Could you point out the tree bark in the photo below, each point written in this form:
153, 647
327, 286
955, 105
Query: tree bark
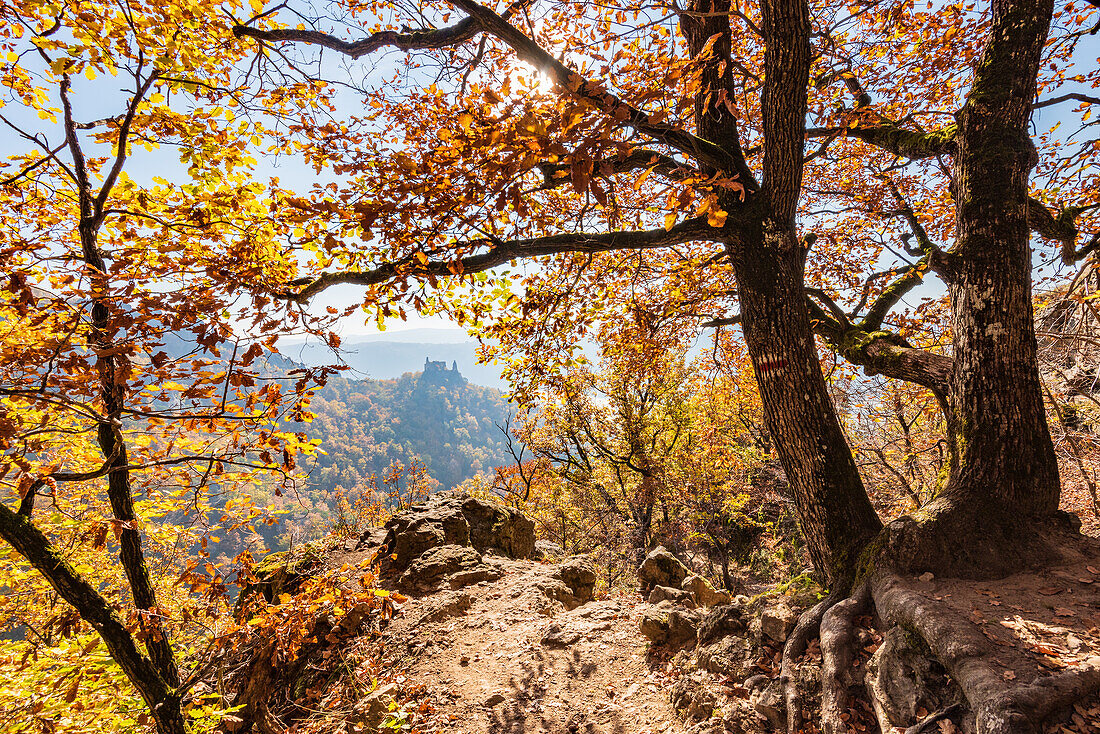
159, 695
833, 510
832, 507
1007, 463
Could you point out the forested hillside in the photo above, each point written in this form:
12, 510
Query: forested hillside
434, 418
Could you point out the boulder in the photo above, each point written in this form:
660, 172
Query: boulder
497, 527
691, 697
653, 624
671, 628
661, 568
579, 575
732, 657
427, 526
703, 593
722, 621
545, 550
683, 626
370, 711
428, 572
452, 518
675, 596
777, 622
768, 702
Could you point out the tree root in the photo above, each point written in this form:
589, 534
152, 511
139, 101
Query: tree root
1000, 705
837, 642
806, 629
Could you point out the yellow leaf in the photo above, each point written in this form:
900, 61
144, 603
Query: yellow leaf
670, 220
716, 218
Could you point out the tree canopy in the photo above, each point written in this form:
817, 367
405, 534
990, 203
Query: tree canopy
538, 171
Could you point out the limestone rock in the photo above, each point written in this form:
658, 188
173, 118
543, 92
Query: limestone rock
683, 625
704, 594
546, 550
371, 710
436, 564
415, 531
444, 606
768, 702
555, 636
579, 574
661, 568
731, 656
571, 583
777, 622
668, 627
722, 621
653, 624
452, 518
494, 526
691, 696
676, 596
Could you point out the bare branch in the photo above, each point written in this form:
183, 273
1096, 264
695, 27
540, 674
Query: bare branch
1076, 96
453, 35
556, 174
483, 19
500, 253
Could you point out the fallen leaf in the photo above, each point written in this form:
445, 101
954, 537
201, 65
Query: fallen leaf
1063, 612
1051, 590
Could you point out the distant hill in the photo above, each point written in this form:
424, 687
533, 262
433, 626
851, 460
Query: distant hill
435, 417
430, 414
390, 355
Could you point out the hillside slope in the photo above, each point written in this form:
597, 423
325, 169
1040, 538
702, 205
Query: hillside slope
435, 417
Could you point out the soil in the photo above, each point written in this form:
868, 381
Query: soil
1039, 622
503, 657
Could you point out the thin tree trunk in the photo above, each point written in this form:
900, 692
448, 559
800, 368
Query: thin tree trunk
832, 507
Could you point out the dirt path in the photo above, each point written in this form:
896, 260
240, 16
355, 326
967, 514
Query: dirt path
504, 657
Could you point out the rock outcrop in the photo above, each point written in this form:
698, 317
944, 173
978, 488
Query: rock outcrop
661, 568
442, 542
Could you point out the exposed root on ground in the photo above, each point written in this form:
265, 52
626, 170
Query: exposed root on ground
1003, 644
1008, 694
837, 645
804, 632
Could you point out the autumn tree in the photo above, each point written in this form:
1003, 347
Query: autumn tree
131, 394
782, 146
648, 446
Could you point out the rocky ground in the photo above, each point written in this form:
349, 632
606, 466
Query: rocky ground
493, 634
510, 656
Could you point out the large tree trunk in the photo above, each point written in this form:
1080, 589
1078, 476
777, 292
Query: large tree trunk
996, 511
1006, 457
834, 512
